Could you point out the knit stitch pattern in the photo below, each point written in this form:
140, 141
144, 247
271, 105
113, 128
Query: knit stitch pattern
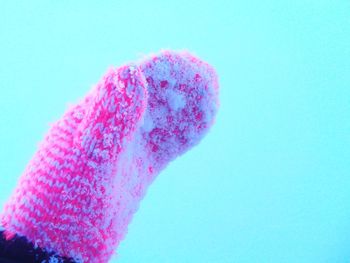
65, 200
78, 194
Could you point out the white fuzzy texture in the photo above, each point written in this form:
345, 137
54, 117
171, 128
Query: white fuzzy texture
148, 124
176, 100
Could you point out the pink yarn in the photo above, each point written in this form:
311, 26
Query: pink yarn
79, 192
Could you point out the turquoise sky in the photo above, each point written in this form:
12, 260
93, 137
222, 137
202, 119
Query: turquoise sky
269, 184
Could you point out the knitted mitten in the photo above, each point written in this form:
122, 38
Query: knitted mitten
79, 192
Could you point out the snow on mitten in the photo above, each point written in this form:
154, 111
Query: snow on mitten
182, 104
93, 173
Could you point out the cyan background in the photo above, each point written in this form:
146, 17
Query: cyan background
270, 183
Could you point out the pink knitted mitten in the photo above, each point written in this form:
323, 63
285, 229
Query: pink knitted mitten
78, 194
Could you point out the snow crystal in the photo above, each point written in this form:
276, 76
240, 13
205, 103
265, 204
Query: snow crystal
176, 100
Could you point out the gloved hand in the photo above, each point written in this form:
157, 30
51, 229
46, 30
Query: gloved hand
78, 194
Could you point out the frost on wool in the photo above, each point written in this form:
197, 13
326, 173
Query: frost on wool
183, 101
